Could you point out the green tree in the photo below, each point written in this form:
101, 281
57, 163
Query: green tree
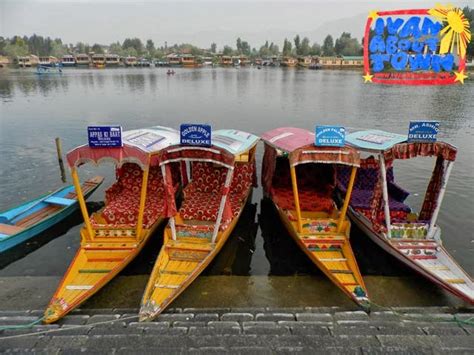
328, 46
315, 49
287, 47
57, 48
213, 47
346, 45
116, 48
16, 48
239, 45
297, 41
305, 47
150, 48
80, 47
134, 43
97, 48
227, 50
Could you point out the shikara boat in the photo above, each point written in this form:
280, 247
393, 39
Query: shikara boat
221, 182
299, 178
134, 208
378, 206
29, 219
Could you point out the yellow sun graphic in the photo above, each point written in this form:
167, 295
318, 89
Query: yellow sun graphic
456, 33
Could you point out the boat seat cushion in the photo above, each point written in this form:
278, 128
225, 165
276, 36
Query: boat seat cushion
242, 179
310, 200
361, 199
207, 177
123, 198
204, 206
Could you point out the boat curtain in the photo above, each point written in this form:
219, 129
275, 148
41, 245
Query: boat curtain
325, 155
432, 191
268, 168
212, 154
169, 193
119, 156
412, 150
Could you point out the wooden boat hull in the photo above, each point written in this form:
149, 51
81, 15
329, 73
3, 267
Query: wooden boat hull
178, 265
333, 255
48, 215
93, 266
444, 265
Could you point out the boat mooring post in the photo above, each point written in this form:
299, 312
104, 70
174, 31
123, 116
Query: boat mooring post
59, 150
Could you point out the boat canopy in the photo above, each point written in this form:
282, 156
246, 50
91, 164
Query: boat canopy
298, 145
390, 146
227, 146
139, 146
395, 146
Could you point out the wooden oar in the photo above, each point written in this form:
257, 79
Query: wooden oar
6, 220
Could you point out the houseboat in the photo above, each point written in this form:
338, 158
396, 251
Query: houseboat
48, 61
68, 61
112, 60
304, 62
244, 60
236, 61
352, 61
130, 61
330, 62
143, 63
226, 60
289, 62
23, 62
82, 60
188, 61
175, 60
207, 61
98, 61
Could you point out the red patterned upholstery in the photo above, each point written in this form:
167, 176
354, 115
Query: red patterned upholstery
203, 195
315, 186
123, 198
204, 206
395, 216
310, 200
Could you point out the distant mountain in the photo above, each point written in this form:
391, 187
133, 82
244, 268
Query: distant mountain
355, 25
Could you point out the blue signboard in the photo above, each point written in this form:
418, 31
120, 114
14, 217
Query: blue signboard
423, 131
195, 134
330, 136
104, 136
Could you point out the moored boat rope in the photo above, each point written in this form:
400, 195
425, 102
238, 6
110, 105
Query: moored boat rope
24, 326
469, 321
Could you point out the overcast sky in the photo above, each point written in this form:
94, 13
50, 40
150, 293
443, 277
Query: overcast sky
197, 22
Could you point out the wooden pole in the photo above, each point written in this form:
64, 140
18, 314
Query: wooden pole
59, 151
141, 210
347, 199
386, 206
434, 217
171, 221
82, 202
296, 197
228, 181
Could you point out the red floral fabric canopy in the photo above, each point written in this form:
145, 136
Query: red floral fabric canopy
209, 154
411, 150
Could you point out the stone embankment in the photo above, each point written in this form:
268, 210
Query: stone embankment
244, 331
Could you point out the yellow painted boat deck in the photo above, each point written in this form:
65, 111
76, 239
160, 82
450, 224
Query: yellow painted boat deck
94, 265
330, 251
179, 263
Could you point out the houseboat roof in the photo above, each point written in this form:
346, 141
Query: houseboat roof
299, 144
396, 146
138, 146
352, 57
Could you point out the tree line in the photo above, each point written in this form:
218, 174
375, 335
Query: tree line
344, 45
46, 46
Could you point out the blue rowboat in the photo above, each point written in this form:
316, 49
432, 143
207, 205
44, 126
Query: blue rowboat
26, 221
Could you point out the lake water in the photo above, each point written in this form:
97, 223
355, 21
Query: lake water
36, 109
